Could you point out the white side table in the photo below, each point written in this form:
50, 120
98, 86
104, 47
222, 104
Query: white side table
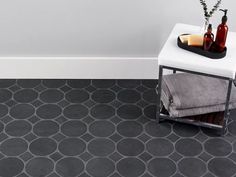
174, 58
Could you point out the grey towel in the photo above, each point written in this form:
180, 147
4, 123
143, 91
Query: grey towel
185, 94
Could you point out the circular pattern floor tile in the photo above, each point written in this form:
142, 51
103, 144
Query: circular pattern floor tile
77, 96
158, 130
188, 147
73, 128
222, 167
192, 167
105, 83
102, 128
22, 111
25, 95
130, 147
49, 111
150, 111
160, 147
102, 111
10, 167
103, 96
51, 96
69, 167
99, 167
210, 132
28, 83
129, 111
3, 110
78, 83
150, 96
218, 147
54, 83
130, 167
162, 167
232, 128
101, 147
76, 111
129, 96
13, 146
46, 128
5, 83
18, 128
185, 130
128, 83
40, 166
234, 146
150, 83
5, 95
71, 146
43, 146
129, 128
1, 127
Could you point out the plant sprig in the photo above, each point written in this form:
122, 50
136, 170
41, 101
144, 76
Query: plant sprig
208, 14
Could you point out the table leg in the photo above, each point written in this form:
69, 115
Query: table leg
227, 112
159, 93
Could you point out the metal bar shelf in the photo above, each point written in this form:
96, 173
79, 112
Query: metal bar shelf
161, 117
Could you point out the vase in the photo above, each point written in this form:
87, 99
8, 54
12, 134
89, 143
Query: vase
205, 26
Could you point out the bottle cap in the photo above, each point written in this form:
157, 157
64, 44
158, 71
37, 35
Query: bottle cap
210, 26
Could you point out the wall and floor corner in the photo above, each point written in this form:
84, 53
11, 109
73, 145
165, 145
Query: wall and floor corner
91, 39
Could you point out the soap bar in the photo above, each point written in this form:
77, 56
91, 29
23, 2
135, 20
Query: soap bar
195, 40
184, 38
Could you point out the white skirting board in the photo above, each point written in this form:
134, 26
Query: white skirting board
78, 68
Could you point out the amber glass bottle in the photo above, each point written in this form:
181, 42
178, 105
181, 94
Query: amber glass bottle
221, 34
208, 38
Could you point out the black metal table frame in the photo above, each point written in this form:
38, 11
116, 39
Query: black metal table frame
161, 116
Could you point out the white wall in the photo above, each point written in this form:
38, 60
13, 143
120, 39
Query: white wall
78, 27
95, 28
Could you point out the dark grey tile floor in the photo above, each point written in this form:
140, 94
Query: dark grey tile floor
102, 128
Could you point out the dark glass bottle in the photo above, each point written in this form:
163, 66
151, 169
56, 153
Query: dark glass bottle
208, 38
221, 34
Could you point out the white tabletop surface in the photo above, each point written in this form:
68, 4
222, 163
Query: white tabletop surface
173, 56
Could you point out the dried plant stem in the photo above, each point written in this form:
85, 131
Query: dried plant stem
208, 14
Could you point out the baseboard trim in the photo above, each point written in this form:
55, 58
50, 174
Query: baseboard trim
78, 67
